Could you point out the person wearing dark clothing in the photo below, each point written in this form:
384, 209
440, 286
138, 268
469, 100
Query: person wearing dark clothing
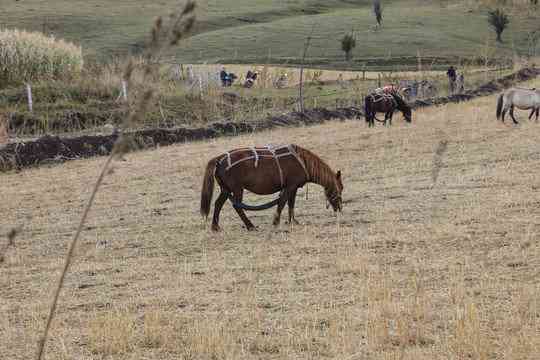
224, 77
451, 73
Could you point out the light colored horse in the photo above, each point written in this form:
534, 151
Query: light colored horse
523, 99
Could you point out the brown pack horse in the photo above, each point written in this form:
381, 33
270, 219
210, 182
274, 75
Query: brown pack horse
386, 103
264, 171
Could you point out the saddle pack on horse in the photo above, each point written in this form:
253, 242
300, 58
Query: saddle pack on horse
237, 156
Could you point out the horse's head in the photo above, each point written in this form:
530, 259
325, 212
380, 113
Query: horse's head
333, 193
403, 107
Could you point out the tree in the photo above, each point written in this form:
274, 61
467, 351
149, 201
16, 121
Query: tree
348, 42
499, 21
377, 10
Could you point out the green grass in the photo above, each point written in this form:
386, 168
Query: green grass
255, 30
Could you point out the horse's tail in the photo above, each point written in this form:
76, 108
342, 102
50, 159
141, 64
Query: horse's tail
367, 111
500, 106
208, 187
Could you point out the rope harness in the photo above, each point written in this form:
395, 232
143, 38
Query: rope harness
268, 152
380, 96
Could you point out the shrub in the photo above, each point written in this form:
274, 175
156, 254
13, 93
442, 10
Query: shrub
26, 56
498, 20
348, 42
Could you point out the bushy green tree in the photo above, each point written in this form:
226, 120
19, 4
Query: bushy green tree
348, 43
499, 21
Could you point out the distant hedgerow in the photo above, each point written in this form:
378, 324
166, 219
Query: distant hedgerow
26, 56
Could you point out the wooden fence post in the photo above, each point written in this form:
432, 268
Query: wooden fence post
29, 97
124, 90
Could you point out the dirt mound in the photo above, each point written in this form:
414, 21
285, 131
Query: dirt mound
55, 149
50, 149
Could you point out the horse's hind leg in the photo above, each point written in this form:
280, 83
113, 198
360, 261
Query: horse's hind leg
532, 113
512, 114
290, 202
217, 209
238, 197
537, 113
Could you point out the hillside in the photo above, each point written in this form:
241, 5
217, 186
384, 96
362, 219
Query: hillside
435, 256
232, 31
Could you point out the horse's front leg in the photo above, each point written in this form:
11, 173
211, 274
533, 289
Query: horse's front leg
238, 196
388, 118
283, 197
290, 202
512, 114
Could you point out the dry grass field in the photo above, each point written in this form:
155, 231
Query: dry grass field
436, 255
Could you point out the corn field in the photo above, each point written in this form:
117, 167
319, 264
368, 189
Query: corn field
27, 56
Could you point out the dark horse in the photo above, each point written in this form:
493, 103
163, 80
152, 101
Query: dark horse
385, 103
264, 171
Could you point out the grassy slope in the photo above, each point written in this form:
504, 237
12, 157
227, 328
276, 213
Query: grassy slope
412, 270
251, 30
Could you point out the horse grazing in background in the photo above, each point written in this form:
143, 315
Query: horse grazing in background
387, 103
263, 171
523, 99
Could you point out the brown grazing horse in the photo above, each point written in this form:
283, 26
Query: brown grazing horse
385, 103
264, 171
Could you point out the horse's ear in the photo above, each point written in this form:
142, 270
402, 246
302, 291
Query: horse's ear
338, 175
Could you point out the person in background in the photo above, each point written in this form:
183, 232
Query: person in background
451, 73
460, 84
224, 77
250, 78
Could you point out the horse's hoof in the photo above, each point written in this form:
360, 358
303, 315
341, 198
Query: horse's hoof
251, 228
216, 228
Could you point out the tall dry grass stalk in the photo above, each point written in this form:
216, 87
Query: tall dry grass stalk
27, 56
4, 136
10, 241
163, 35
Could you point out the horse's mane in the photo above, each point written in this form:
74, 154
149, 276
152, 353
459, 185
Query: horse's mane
319, 172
